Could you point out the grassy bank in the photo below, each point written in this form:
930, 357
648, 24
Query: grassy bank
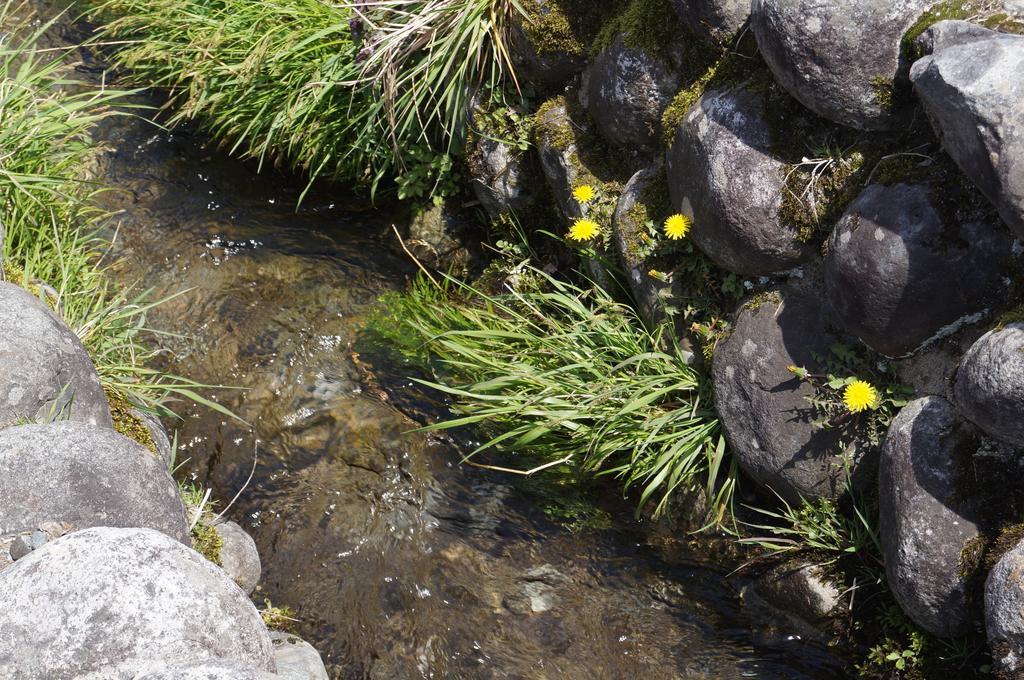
340, 91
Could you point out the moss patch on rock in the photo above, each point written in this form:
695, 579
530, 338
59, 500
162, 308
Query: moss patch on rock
207, 542
563, 26
649, 25
988, 13
127, 423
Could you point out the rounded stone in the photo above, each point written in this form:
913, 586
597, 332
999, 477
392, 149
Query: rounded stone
296, 659
989, 388
557, 55
625, 90
213, 669
121, 603
898, 273
842, 60
716, 21
239, 556
722, 173
502, 180
87, 476
926, 521
765, 409
45, 372
1004, 611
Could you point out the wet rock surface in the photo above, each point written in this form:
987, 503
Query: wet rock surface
170, 606
625, 90
722, 173
86, 476
395, 559
764, 408
971, 90
900, 269
926, 520
841, 60
45, 372
989, 387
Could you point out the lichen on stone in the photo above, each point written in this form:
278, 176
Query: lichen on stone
770, 297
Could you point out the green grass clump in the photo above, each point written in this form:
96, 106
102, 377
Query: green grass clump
569, 377
50, 245
340, 91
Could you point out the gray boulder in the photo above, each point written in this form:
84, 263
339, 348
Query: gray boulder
625, 90
86, 476
212, 669
296, 659
119, 603
945, 34
898, 273
972, 90
238, 555
764, 408
842, 60
989, 388
721, 172
716, 21
45, 372
925, 518
1004, 611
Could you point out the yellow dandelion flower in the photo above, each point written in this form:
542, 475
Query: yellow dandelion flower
860, 396
584, 193
677, 226
584, 230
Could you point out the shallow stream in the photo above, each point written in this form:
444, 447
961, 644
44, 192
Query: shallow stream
398, 562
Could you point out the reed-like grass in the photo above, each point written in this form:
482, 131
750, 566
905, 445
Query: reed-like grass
568, 376
50, 244
336, 90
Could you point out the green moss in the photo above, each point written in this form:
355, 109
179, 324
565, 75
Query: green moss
768, 297
1015, 315
278, 618
811, 203
207, 542
550, 127
564, 26
988, 12
127, 423
649, 25
885, 92
708, 70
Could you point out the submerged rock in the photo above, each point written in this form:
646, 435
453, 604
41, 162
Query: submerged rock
625, 90
926, 518
842, 60
122, 603
765, 409
716, 21
238, 555
437, 237
722, 173
989, 388
45, 372
790, 599
897, 272
86, 476
972, 88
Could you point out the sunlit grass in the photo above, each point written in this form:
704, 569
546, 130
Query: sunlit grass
569, 376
